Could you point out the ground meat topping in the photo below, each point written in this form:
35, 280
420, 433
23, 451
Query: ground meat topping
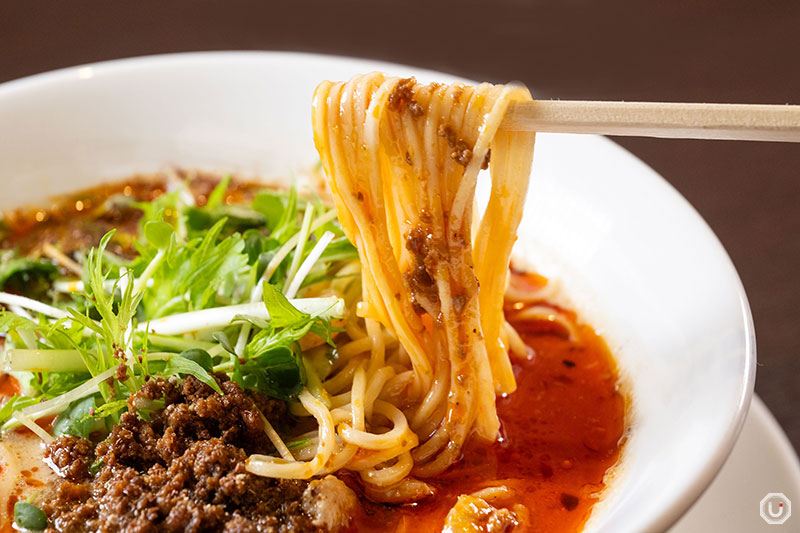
419, 278
462, 151
402, 98
183, 469
70, 457
486, 159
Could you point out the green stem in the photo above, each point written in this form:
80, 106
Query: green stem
140, 283
45, 360
177, 343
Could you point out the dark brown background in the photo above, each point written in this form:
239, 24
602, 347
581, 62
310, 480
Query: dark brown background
674, 50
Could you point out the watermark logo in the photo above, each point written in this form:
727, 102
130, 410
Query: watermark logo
776, 508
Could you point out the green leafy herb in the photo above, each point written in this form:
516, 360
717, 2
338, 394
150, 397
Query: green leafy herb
287, 224
108, 409
184, 366
47, 385
28, 516
115, 315
281, 312
77, 419
272, 362
218, 194
13, 404
272, 205
298, 443
200, 357
164, 208
158, 233
95, 467
31, 277
277, 372
199, 219
193, 273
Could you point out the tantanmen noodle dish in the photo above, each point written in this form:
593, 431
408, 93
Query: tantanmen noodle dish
193, 351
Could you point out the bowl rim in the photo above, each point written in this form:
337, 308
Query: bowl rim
684, 500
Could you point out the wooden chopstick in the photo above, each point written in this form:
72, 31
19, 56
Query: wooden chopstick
742, 122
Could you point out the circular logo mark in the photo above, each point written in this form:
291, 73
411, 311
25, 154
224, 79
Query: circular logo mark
776, 508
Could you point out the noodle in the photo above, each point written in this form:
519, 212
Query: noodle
389, 475
546, 313
268, 466
372, 441
515, 343
402, 161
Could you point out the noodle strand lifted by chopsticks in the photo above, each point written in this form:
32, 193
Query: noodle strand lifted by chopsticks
402, 161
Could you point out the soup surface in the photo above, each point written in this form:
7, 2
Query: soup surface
561, 431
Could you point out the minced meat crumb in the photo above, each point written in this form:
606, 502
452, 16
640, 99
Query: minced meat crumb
182, 469
402, 98
70, 457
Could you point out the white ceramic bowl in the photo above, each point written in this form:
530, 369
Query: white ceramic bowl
637, 261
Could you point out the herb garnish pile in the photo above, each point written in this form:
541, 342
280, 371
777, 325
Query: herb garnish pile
213, 289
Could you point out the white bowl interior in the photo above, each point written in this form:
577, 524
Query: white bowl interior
634, 258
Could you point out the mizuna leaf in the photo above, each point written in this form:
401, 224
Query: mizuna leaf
183, 366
